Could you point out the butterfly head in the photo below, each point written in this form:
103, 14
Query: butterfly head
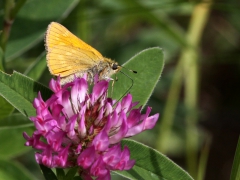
115, 67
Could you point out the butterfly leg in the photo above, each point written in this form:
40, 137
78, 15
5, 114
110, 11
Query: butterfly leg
114, 80
90, 77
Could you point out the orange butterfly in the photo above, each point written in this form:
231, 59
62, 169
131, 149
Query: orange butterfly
68, 56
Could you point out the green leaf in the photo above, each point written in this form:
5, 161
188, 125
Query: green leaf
5, 108
1, 56
14, 121
151, 164
235, 174
20, 91
77, 178
31, 23
12, 141
48, 173
71, 173
60, 173
149, 65
12, 171
171, 28
36, 69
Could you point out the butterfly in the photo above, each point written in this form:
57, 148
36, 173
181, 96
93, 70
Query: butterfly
70, 57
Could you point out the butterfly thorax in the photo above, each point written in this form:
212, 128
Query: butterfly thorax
104, 69
107, 68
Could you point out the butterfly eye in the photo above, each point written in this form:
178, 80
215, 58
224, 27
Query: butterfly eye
115, 66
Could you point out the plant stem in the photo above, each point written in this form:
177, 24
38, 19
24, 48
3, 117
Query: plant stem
188, 63
170, 107
9, 5
10, 11
203, 159
190, 57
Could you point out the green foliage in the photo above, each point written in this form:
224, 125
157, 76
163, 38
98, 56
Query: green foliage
14, 146
60, 173
14, 121
120, 29
5, 108
48, 173
235, 175
20, 91
30, 25
71, 173
1, 58
13, 171
35, 71
151, 164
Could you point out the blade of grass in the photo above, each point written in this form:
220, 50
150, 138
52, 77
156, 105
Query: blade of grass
190, 57
187, 62
235, 174
203, 159
10, 11
170, 107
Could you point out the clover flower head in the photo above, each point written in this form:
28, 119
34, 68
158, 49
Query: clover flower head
78, 128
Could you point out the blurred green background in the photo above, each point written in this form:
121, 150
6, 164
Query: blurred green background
197, 96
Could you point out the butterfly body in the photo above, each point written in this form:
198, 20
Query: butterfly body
68, 56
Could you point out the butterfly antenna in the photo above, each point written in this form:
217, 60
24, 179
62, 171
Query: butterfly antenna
129, 70
129, 87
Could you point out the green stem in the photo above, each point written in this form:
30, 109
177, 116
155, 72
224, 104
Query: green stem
190, 57
9, 5
188, 63
235, 174
17, 7
10, 11
203, 159
170, 107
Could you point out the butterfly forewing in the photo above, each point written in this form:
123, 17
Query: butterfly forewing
59, 35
